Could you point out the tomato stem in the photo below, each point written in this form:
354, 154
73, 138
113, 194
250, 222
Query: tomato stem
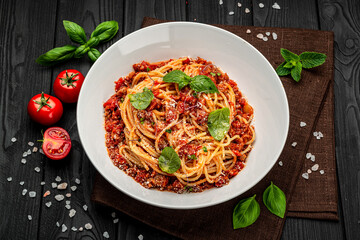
42, 102
69, 79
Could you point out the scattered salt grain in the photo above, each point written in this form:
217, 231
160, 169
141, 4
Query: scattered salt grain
37, 169
248, 31
42, 183
322, 172
63, 228
85, 207
88, 226
302, 124
72, 213
41, 151
77, 181
312, 158
67, 202
239, 5
280, 163
57, 224
260, 36
53, 185
67, 206
308, 155
35, 149
81, 228
231, 13
59, 197
29, 217
32, 194
47, 193
48, 204
140, 237
274, 35
74, 229
68, 195
309, 171
320, 134
247, 10
113, 214
9, 179
28, 152
221, 2
305, 175
13, 139
22, 183
315, 167
73, 188
62, 186
30, 144
267, 33
265, 39
294, 144
261, 5
276, 6
24, 154
106, 235
116, 220
23, 161
24, 191
58, 179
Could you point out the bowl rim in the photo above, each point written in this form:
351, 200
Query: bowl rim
201, 205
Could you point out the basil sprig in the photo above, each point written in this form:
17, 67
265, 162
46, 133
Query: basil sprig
141, 100
219, 123
246, 212
200, 83
169, 161
275, 200
295, 63
103, 32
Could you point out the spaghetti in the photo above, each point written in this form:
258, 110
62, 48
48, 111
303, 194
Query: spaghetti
177, 118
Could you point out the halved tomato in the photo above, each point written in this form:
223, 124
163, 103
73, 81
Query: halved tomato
56, 143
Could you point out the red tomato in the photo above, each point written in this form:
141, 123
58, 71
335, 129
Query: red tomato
56, 143
45, 109
67, 85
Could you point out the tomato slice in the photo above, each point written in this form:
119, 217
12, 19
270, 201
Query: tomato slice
57, 143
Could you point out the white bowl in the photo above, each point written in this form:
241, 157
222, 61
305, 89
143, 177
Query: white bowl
254, 75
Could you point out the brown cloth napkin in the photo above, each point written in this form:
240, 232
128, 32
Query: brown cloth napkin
310, 101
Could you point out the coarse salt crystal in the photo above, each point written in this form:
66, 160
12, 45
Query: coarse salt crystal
48, 204
280, 163
47, 193
239, 5
13, 139
22, 183
312, 158
53, 185
41, 151
74, 229
72, 213
261, 5
85, 207
265, 39
67, 202
32, 194
63, 228
247, 10
23, 161
274, 35
67, 206
30, 144
81, 228
29, 217
42, 183
106, 235
9, 179
267, 33
308, 155
24, 154
113, 214
140, 237
35, 149
221, 2
248, 31
88, 226
116, 220
24, 191
62, 186
317, 137
322, 172
77, 181
59, 197
57, 224
58, 179
231, 13
37, 169
294, 144
305, 175
28, 152
309, 171
276, 6
68, 195
320, 134
315, 167
315, 134
260, 35
73, 188
302, 124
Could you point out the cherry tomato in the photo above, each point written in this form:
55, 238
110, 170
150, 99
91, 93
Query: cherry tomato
56, 143
67, 85
45, 109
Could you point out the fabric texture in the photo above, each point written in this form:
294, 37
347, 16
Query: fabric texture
311, 101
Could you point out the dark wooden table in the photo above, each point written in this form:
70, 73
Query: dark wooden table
30, 28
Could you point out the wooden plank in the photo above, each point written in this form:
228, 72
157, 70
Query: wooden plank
298, 14
342, 17
21, 78
88, 14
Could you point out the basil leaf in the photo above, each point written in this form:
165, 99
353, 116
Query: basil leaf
93, 42
204, 84
312, 59
275, 200
282, 71
296, 72
56, 55
94, 54
178, 77
141, 100
169, 161
219, 123
246, 212
106, 30
80, 51
288, 56
75, 32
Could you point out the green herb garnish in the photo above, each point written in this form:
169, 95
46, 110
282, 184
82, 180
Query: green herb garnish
295, 63
192, 157
219, 123
200, 83
169, 161
141, 100
148, 69
213, 74
102, 33
188, 188
142, 120
275, 200
168, 130
205, 149
246, 212
219, 74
